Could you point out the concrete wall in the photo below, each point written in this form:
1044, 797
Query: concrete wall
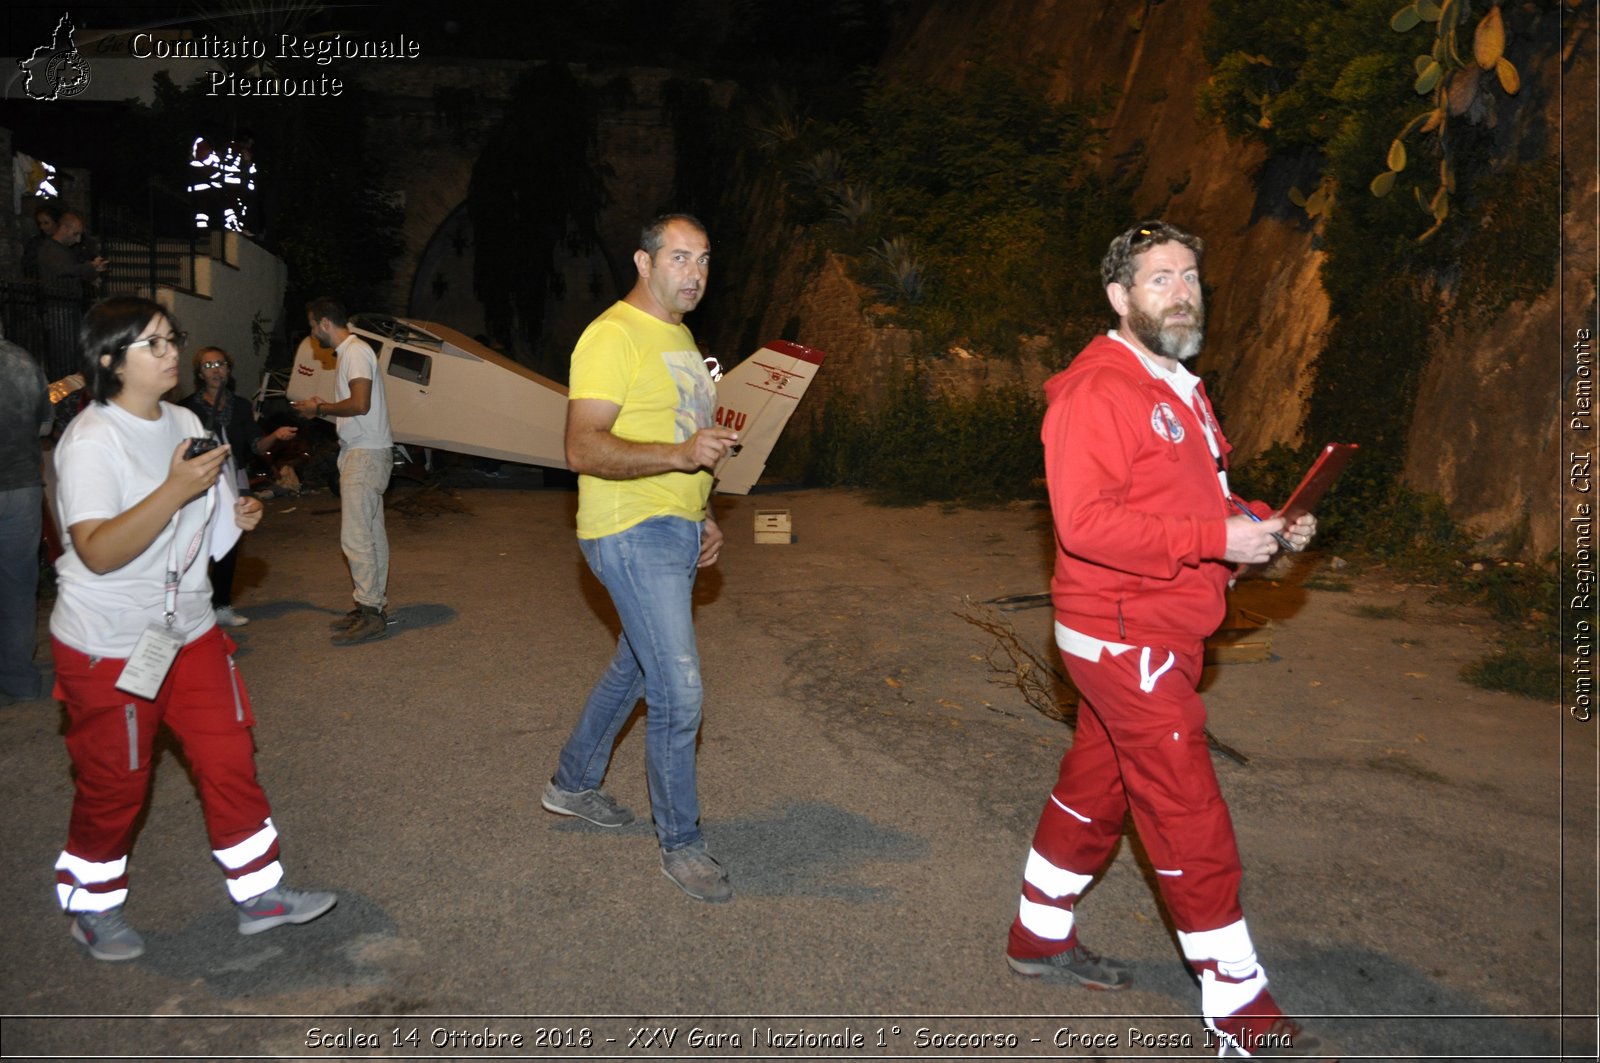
247, 285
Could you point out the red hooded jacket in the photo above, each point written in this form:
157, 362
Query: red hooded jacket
1139, 510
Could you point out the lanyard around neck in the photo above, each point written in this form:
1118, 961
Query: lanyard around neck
174, 573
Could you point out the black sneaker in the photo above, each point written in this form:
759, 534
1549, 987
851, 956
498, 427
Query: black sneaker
370, 625
1075, 966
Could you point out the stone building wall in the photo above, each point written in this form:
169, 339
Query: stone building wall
433, 119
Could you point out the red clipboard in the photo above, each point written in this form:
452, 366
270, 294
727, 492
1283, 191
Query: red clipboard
1326, 469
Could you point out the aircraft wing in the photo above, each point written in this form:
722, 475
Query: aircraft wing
756, 399
456, 394
449, 391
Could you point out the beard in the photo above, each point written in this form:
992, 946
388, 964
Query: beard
1180, 342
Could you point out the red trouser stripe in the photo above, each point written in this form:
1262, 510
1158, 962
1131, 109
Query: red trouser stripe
110, 735
1143, 751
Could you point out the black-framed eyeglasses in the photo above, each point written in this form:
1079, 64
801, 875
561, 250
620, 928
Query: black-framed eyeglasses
158, 344
213, 365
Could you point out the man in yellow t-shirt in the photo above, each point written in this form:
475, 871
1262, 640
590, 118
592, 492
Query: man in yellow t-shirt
640, 435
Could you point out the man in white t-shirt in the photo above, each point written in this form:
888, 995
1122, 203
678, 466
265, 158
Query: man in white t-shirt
365, 462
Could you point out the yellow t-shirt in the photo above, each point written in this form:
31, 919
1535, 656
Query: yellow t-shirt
655, 372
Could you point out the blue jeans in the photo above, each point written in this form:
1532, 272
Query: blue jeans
21, 522
649, 571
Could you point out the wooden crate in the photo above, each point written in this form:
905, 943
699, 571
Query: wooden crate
773, 527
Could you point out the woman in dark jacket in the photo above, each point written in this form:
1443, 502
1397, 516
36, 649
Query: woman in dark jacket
230, 419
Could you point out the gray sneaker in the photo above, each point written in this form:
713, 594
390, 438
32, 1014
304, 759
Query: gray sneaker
281, 905
596, 806
370, 625
108, 935
698, 874
1076, 966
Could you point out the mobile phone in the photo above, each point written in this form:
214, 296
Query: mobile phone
198, 445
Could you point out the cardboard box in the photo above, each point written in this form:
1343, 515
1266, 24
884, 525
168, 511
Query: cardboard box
772, 526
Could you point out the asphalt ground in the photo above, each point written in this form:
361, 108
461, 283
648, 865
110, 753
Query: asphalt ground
1419, 854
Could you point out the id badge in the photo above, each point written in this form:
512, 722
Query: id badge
150, 661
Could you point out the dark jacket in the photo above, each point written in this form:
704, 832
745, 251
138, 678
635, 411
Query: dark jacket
232, 422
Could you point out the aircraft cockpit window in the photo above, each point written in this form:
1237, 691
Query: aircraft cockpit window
411, 365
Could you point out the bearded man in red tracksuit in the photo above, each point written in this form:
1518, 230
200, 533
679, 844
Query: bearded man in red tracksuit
1148, 538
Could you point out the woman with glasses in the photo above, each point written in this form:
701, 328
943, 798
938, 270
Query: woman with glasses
229, 418
135, 641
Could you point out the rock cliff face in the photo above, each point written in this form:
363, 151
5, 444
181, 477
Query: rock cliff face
1488, 431
1486, 435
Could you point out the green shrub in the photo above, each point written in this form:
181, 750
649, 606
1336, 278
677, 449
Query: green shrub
1373, 517
1367, 513
1272, 474
1525, 598
1512, 250
974, 215
1527, 595
1326, 88
1530, 674
917, 446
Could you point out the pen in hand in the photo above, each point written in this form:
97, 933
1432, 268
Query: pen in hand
1276, 535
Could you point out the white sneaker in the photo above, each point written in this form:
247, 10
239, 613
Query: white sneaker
226, 617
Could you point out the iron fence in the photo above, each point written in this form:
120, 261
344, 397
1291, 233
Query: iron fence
148, 247
44, 321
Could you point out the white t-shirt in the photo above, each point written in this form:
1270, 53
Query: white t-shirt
1184, 384
107, 462
369, 431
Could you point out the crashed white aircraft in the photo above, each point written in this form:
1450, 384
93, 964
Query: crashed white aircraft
448, 391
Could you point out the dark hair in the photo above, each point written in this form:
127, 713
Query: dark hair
654, 232
1118, 266
47, 207
108, 328
326, 307
200, 356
